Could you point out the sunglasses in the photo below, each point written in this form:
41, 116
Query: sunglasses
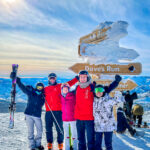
39, 87
99, 89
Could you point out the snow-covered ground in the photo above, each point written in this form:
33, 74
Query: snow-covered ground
16, 139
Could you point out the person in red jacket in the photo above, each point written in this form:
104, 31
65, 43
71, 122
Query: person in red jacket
84, 109
53, 110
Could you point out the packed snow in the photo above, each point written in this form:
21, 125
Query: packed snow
16, 139
108, 50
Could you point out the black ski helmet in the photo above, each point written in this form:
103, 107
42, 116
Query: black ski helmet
84, 72
40, 84
52, 75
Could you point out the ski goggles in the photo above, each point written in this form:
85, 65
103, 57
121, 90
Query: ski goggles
99, 89
39, 87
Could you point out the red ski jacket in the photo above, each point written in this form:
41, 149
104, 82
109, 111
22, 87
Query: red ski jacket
84, 103
53, 95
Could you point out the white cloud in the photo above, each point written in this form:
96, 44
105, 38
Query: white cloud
21, 14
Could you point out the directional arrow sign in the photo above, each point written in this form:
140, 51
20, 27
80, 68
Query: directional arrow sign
124, 69
95, 37
129, 85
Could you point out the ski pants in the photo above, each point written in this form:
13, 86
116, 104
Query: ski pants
108, 140
88, 127
73, 129
139, 119
49, 120
34, 141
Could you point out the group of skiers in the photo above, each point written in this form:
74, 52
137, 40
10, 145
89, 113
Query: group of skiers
87, 112
127, 115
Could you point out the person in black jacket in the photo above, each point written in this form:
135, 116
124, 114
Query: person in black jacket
129, 102
122, 123
36, 100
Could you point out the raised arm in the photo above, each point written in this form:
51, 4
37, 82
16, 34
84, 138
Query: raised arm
25, 89
113, 85
73, 81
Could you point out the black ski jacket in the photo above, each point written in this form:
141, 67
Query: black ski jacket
35, 99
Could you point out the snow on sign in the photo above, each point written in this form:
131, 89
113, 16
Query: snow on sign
128, 85
130, 69
102, 45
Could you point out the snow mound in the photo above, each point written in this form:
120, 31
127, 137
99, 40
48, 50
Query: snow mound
108, 49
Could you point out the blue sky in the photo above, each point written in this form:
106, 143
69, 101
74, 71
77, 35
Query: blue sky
42, 36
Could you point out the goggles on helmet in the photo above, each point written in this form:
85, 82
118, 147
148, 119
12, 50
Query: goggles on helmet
99, 89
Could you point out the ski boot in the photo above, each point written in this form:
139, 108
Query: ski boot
50, 146
40, 148
60, 146
132, 132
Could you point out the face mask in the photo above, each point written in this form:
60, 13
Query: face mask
38, 92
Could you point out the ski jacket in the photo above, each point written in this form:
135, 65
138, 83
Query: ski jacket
68, 106
35, 100
84, 103
122, 123
85, 98
104, 120
53, 96
137, 110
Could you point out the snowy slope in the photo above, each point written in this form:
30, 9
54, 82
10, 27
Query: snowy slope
16, 139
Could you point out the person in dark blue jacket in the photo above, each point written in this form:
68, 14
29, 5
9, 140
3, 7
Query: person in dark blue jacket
36, 100
122, 123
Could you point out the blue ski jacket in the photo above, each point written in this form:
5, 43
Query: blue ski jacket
35, 99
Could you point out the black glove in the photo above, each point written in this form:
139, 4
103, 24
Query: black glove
77, 77
12, 75
118, 78
94, 83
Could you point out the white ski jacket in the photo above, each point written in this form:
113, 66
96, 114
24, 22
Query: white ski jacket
103, 113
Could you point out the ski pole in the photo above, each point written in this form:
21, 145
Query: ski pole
54, 117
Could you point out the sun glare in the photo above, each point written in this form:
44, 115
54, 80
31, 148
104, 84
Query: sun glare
10, 1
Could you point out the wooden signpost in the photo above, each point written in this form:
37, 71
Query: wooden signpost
128, 85
95, 37
126, 69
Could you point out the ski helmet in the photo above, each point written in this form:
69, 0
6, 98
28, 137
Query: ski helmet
39, 86
84, 72
65, 85
52, 75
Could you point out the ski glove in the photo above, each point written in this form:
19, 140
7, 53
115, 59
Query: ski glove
77, 77
12, 75
94, 83
118, 78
